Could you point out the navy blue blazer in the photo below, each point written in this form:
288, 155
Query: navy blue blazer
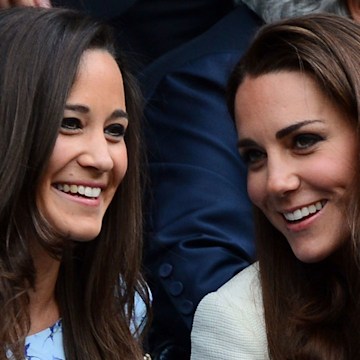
105, 9
149, 28
200, 230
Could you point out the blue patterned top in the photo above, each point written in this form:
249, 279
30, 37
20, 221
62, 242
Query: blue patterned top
48, 344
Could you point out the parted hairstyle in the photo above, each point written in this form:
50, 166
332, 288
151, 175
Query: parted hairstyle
40, 51
312, 311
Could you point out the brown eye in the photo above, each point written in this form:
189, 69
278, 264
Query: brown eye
70, 124
252, 156
305, 141
115, 130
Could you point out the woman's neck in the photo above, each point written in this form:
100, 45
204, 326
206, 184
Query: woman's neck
43, 308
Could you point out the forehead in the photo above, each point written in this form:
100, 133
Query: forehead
278, 97
97, 62
98, 78
275, 86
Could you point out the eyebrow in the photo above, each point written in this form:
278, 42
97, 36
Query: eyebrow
279, 134
246, 143
118, 113
288, 130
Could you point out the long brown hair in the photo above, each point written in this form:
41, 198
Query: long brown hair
312, 311
40, 51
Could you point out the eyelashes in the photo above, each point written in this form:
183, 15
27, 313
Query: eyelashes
72, 125
301, 144
252, 156
306, 141
115, 130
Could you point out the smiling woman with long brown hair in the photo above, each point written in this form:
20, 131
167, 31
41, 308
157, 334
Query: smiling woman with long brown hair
70, 211
295, 97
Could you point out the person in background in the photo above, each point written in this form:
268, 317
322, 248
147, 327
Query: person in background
148, 29
70, 213
37, 3
199, 230
273, 10
295, 97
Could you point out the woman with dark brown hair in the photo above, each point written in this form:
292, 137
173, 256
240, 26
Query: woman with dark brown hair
295, 97
70, 211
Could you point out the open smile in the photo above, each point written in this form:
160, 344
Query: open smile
79, 190
304, 212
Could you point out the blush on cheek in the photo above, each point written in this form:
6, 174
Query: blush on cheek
121, 175
253, 192
121, 165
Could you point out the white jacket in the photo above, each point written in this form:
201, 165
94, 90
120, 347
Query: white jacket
229, 323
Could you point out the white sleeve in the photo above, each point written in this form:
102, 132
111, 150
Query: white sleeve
227, 326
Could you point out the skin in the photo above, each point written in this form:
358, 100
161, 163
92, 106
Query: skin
354, 7
36, 3
301, 150
90, 151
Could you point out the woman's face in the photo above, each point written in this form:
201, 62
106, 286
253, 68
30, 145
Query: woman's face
301, 152
89, 159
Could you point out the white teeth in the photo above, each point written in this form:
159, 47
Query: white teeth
297, 215
289, 216
66, 188
82, 190
96, 192
303, 212
312, 209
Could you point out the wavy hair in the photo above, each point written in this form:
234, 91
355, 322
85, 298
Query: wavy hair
312, 311
40, 51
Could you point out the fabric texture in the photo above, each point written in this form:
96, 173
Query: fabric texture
229, 323
48, 344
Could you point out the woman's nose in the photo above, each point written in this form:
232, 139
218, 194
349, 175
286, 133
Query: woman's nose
96, 153
282, 177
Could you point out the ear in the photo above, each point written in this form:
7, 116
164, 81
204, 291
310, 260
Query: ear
354, 7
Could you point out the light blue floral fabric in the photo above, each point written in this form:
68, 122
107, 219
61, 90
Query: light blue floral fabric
48, 344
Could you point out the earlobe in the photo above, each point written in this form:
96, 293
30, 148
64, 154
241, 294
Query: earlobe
354, 8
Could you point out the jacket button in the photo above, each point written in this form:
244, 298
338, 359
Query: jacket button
165, 270
186, 307
176, 288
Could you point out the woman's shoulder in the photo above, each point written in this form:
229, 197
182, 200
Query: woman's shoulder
240, 298
231, 319
244, 286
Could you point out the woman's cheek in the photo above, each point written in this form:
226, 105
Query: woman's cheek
255, 189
